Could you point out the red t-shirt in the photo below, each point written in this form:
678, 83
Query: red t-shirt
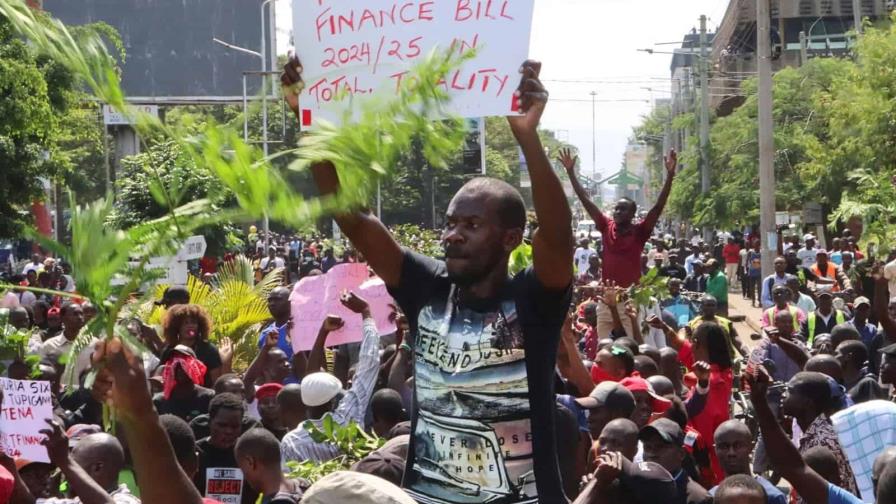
622, 252
715, 412
731, 253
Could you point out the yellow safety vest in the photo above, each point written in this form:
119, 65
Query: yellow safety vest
839, 317
773, 311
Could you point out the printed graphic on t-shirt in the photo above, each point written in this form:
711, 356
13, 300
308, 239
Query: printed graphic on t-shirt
473, 436
224, 484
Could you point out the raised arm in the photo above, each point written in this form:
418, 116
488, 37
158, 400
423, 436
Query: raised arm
784, 457
155, 466
881, 301
87, 490
552, 244
569, 362
671, 163
569, 163
317, 359
367, 234
791, 349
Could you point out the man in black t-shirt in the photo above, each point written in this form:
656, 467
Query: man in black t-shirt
219, 476
486, 344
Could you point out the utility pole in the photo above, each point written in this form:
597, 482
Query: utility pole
857, 15
804, 48
704, 118
594, 140
766, 138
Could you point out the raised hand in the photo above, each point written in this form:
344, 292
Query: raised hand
531, 98
354, 302
129, 392
671, 162
225, 347
758, 380
702, 371
568, 161
631, 311
291, 80
608, 469
56, 442
332, 323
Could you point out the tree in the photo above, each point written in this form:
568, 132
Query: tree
27, 120
162, 178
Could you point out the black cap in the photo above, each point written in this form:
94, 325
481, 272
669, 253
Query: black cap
610, 394
648, 482
173, 295
669, 431
889, 350
383, 464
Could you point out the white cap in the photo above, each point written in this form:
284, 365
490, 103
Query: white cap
808, 236
320, 388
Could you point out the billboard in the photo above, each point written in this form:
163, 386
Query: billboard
170, 52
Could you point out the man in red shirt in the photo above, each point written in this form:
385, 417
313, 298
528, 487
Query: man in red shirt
731, 254
623, 238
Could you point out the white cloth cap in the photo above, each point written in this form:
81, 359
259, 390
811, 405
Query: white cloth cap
319, 388
809, 236
355, 488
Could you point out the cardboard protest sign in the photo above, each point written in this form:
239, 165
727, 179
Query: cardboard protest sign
365, 47
313, 298
26, 404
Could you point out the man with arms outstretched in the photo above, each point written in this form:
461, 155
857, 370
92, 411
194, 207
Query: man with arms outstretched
486, 344
623, 238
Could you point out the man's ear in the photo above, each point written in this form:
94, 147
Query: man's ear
512, 239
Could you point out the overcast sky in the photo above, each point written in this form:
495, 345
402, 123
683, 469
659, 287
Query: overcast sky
597, 40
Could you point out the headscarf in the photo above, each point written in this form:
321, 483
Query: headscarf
193, 367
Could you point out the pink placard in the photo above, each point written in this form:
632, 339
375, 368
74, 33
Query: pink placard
313, 298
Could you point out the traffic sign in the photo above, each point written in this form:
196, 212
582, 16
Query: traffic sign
193, 248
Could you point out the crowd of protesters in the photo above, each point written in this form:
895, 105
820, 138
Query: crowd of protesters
557, 384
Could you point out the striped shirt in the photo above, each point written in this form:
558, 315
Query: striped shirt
298, 446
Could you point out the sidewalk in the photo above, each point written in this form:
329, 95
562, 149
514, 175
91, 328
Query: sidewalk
745, 317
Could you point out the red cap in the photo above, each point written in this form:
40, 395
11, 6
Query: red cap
53, 312
268, 390
638, 384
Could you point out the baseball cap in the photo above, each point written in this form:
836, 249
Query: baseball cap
827, 293
889, 350
861, 300
638, 384
808, 236
384, 464
355, 487
319, 388
669, 431
610, 394
173, 295
821, 252
647, 482
268, 390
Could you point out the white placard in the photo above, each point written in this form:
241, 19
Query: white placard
224, 484
26, 405
112, 117
368, 46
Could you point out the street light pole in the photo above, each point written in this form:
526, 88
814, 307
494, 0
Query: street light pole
264, 108
766, 138
594, 137
704, 119
857, 15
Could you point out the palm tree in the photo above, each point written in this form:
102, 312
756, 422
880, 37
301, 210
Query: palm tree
236, 305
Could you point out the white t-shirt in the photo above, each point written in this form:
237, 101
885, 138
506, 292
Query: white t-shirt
581, 258
32, 267
890, 275
743, 257
807, 256
278, 262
